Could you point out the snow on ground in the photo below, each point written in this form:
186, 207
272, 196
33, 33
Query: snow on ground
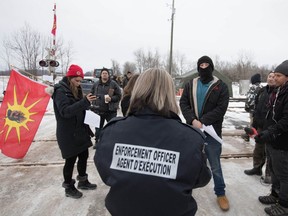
32, 186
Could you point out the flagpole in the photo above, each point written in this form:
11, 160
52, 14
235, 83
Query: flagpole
53, 51
25, 72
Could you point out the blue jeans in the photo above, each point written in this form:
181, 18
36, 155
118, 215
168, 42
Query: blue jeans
279, 173
213, 151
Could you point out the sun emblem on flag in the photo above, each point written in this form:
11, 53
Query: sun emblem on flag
18, 115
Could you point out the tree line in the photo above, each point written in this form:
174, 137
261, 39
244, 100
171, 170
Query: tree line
26, 47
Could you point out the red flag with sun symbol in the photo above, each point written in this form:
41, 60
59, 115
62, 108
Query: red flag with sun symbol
21, 112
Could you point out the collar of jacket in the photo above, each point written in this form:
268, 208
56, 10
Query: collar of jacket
106, 83
148, 112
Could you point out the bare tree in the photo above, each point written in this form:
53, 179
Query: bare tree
148, 60
140, 59
116, 67
64, 54
25, 48
6, 54
129, 66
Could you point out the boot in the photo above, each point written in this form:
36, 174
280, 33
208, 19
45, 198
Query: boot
270, 199
223, 202
254, 171
71, 191
84, 184
276, 210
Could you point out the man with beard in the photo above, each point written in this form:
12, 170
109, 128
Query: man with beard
275, 135
108, 94
204, 102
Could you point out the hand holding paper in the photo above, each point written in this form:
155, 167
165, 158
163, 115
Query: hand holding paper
92, 119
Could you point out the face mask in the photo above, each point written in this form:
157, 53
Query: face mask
205, 74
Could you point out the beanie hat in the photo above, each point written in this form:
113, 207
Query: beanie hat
282, 68
75, 71
205, 59
256, 78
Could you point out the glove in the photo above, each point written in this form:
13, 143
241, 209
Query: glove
264, 137
252, 132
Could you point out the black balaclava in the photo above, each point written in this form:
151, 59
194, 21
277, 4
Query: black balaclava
206, 73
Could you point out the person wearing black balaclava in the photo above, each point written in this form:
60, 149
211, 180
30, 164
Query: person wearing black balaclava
205, 69
204, 102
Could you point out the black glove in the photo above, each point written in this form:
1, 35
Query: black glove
264, 137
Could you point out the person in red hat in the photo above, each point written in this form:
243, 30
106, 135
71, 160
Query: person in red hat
73, 136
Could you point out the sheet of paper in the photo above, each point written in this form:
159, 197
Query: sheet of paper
210, 130
92, 119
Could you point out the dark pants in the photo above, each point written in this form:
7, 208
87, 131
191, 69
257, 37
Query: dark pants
104, 116
81, 166
279, 173
259, 156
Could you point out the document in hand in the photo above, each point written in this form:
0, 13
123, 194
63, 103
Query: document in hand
210, 130
92, 119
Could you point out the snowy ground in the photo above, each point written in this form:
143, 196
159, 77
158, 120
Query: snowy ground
32, 186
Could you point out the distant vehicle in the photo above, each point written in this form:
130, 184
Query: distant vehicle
87, 84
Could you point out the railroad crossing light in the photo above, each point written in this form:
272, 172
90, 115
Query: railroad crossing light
53, 63
43, 63
46, 63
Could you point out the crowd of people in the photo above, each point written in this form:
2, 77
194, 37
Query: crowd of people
150, 156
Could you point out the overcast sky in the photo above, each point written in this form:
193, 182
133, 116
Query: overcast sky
114, 29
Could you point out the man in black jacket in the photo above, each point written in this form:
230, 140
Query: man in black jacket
108, 95
204, 102
259, 155
275, 135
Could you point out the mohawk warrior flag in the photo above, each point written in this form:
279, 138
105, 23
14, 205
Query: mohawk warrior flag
54, 22
21, 112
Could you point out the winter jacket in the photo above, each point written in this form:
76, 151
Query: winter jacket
276, 122
214, 107
261, 108
250, 100
125, 102
110, 88
73, 136
151, 164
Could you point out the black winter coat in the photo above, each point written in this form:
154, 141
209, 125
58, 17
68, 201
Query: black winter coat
261, 108
73, 136
277, 119
214, 106
112, 89
151, 164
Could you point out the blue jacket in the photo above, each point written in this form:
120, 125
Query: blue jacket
151, 164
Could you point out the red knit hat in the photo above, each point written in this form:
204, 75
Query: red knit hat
75, 71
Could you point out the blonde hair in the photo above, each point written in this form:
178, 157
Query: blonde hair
154, 89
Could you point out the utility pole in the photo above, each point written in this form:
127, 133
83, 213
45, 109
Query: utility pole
171, 39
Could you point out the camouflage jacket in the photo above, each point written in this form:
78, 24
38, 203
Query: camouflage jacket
251, 95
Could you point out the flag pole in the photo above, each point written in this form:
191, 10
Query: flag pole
30, 74
53, 32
